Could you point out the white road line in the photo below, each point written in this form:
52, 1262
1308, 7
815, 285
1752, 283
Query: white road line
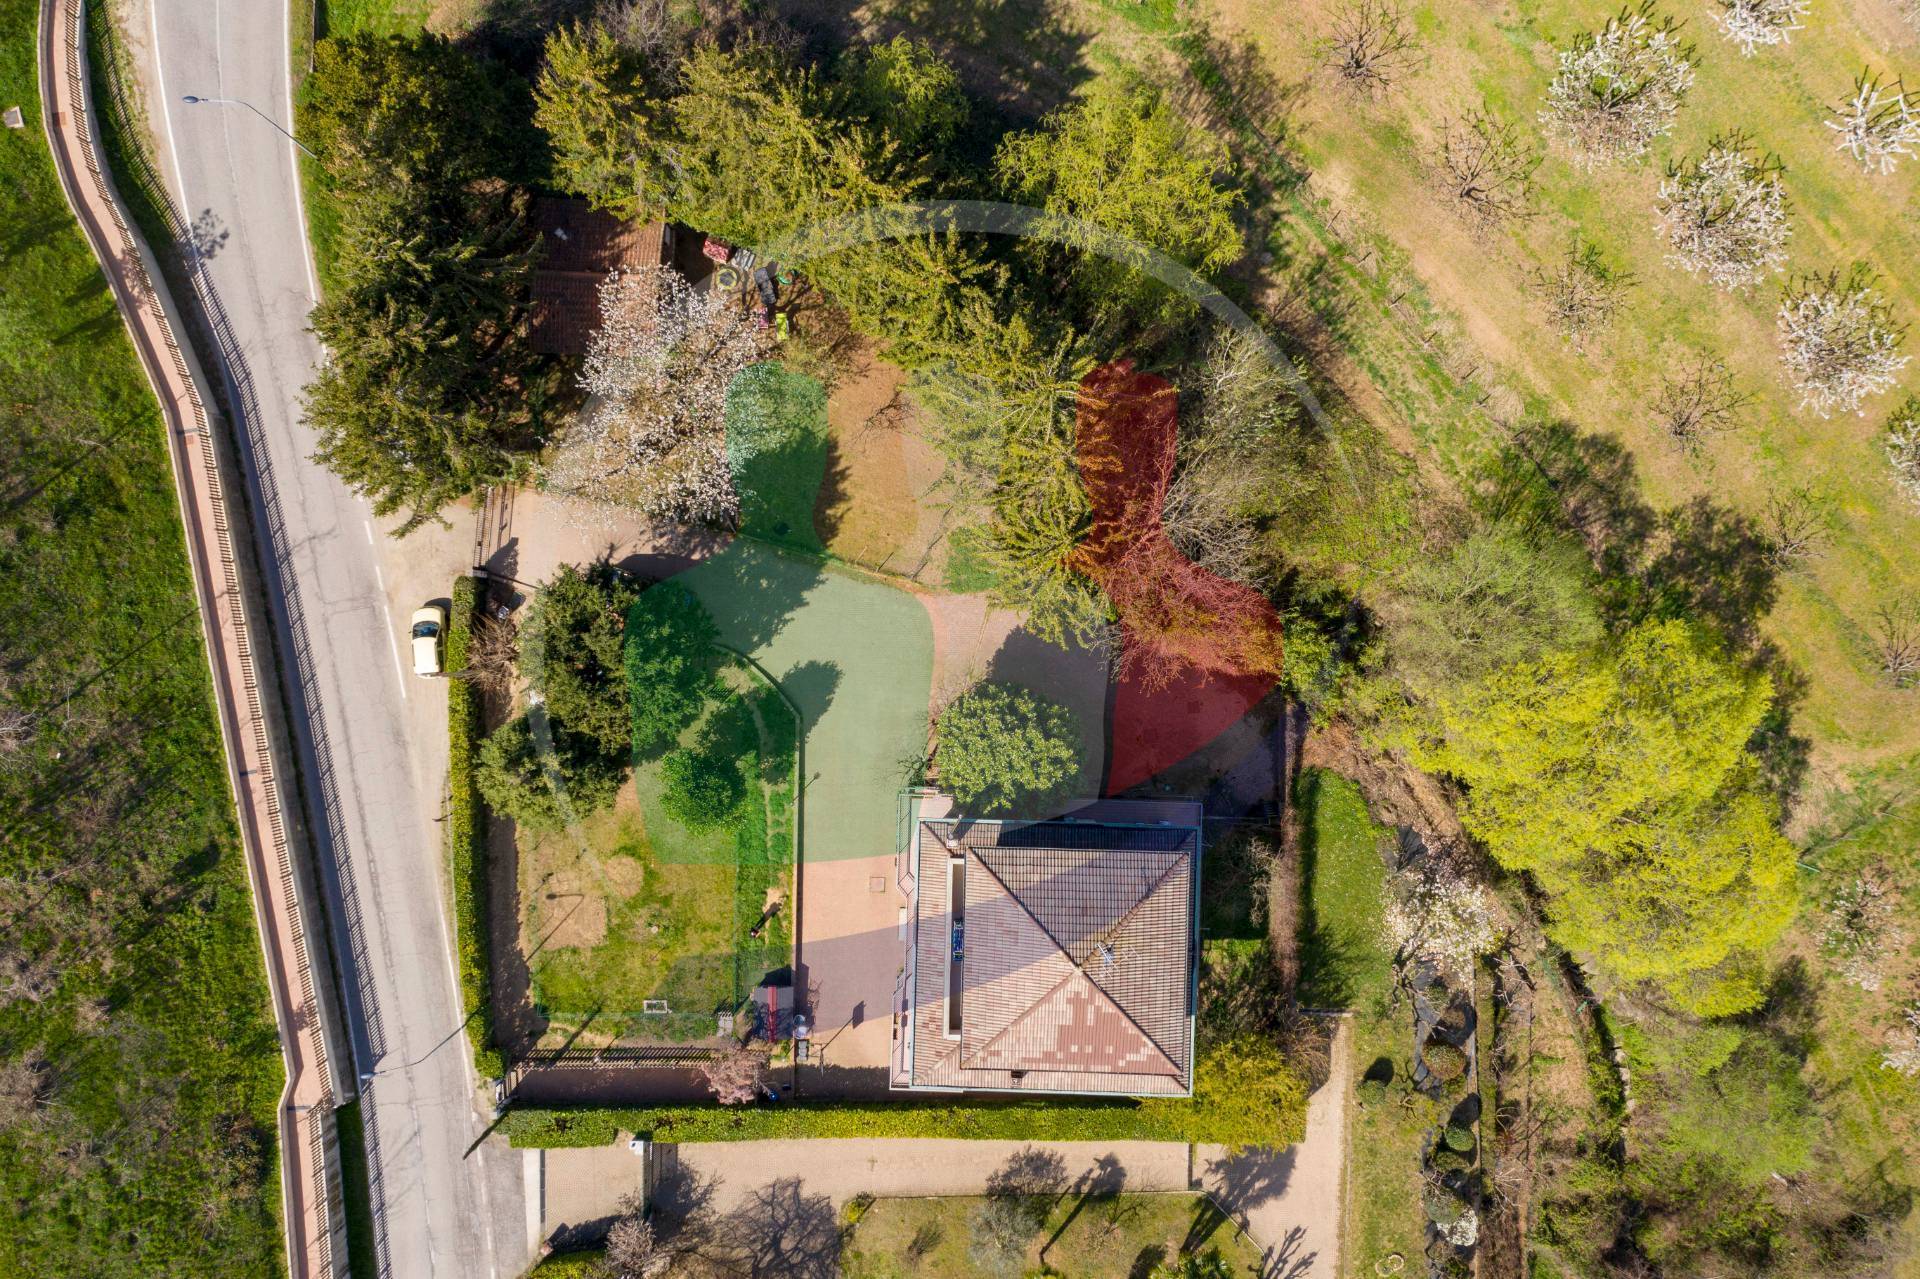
293, 156
377, 577
399, 669
368, 525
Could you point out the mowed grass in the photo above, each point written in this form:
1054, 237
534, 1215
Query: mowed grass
139, 1140
1083, 1236
1472, 290
1345, 963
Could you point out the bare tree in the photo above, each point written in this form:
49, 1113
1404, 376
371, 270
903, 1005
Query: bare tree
1617, 89
1903, 1048
735, 1074
1583, 293
16, 734
1902, 442
1839, 340
1753, 24
1488, 166
493, 656
654, 435
1898, 633
1725, 214
1697, 400
1799, 522
636, 1251
1878, 124
1373, 44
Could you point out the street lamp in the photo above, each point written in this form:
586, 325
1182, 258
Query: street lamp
242, 102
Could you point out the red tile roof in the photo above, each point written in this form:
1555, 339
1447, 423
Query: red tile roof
579, 246
1078, 959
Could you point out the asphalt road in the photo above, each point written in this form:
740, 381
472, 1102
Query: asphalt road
373, 734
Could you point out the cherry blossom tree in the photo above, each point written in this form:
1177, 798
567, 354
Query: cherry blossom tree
1617, 89
1903, 1054
1438, 915
1877, 125
1839, 340
653, 437
1902, 442
735, 1074
1725, 214
1859, 930
1756, 24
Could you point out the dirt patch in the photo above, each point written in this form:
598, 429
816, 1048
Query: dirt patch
876, 506
624, 875
1396, 793
574, 916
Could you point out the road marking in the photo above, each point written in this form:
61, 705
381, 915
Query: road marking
382, 581
293, 156
399, 668
368, 525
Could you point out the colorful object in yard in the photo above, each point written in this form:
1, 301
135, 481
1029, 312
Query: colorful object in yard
763, 280
718, 250
780, 327
726, 279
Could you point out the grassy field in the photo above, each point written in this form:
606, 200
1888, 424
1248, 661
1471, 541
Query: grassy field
137, 1053
1083, 1237
1344, 964
635, 906
1470, 292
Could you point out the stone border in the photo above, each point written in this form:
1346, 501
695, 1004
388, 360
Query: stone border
311, 1206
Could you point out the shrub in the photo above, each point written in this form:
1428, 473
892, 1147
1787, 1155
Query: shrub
573, 650
1003, 747
1445, 1160
511, 773
702, 789
466, 837
1458, 1138
1372, 1092
1444, 1061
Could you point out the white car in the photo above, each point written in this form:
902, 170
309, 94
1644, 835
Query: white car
428, 624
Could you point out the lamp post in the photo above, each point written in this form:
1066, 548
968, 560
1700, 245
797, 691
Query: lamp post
194, 100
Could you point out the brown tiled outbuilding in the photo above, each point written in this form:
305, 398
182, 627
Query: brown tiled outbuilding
580, 245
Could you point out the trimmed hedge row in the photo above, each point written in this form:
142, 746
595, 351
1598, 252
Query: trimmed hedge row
466, 836
1055, 1119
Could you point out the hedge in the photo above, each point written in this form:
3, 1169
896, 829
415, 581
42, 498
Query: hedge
1055, 1119
466, 837
570, 1265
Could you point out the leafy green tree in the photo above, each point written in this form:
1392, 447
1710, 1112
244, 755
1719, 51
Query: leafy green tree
670, 664
431, 392
909, 93
573, 649
386, 112
512, 774
702, 788
1005, 748
1621, 780
594, 101
1123, 160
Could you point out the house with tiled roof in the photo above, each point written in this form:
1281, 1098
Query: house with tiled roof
579, 246
1055, 956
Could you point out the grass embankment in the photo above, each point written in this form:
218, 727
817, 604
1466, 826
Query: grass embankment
137, 1050
467, 836
1345, 963
1083, 1236
1373, 226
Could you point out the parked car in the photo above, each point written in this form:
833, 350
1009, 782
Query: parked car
428, 624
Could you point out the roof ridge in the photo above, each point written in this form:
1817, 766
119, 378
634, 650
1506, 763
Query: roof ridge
1115, 999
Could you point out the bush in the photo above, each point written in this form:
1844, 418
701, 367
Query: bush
1004, 748
1371, 1092
573, 651
702, 789
511, 773
466, 837
1445, 1160
670, 664
1458, 1138
1444, 1061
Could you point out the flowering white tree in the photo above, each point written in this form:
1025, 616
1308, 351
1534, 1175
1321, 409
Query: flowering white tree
653, 436
1903, 1054
1725, 214
1441, 917
1839, 341
1903, 447
735, 1074
1617, 89
1754, 23
1878, 124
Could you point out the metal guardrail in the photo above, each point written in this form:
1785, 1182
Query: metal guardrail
62, 21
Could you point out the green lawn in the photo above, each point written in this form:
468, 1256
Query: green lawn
1344, 964
139, 1138
679, 904
1083, 1237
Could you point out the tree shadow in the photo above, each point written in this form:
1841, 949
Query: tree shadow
1101, 1183
781, 1232
1244, 1181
